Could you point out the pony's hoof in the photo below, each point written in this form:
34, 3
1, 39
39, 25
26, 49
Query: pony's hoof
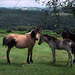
31, 61
28, 62
9, 62
73, 60
52, 62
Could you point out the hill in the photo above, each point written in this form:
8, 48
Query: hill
10, 18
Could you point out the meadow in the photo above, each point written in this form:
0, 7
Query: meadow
42, 57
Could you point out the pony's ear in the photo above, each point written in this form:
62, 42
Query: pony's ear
35, 27
38, 29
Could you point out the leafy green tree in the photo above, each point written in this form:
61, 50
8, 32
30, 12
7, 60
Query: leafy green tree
53, 6
69, 6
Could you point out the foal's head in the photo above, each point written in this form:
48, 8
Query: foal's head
44, 38
41, 40
36, 33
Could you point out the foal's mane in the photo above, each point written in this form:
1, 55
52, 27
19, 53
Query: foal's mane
49, 37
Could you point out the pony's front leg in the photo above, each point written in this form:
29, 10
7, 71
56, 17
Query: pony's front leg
31, 55
8, 51
54, 56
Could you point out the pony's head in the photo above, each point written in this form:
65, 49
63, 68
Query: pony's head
35, 33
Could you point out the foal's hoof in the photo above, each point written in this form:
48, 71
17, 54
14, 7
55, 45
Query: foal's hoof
66, 64
71, 66
73, 60
28, 62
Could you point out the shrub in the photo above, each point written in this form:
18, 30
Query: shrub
9, 30
72, 30
58, 31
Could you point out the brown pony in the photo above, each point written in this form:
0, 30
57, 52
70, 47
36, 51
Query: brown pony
22, 41
55, 43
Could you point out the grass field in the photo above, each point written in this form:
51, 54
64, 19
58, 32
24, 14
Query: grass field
42, 57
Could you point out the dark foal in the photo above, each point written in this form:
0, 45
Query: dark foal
22, 41
70, 35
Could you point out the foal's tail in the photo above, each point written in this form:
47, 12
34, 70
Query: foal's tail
73, 48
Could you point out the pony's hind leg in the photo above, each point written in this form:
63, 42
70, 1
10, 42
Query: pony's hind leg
30, 53
8, 51
28, 57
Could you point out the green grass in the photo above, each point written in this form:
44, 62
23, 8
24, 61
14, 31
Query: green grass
42, 57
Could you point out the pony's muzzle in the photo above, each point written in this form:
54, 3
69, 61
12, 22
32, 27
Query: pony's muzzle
36, 38
39, 43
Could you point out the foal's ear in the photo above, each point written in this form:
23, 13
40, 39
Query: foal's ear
41, 35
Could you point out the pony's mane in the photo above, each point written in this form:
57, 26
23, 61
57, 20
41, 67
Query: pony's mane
50, 37
34, 31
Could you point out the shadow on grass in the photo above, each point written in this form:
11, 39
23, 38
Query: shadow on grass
56, 64
12, 64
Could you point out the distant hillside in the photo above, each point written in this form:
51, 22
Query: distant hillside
10, 18
27, 8
30, 8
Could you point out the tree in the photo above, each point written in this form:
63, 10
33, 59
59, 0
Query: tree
69, 6
53, 7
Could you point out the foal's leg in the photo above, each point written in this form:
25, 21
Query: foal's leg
54, 58
8, 51
31, 55
69, 56
74, 58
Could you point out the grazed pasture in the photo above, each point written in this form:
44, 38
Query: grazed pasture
42, 57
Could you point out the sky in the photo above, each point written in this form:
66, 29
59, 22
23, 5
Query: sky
21, 3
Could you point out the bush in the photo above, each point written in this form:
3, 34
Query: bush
58, 31
9, 30
72, 30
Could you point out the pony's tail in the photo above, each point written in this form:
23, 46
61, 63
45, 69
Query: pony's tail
4, 41
9, 43
73, 48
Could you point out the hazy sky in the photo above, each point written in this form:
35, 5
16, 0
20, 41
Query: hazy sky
20, 3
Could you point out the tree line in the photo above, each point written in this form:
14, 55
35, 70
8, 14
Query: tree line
11, 18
